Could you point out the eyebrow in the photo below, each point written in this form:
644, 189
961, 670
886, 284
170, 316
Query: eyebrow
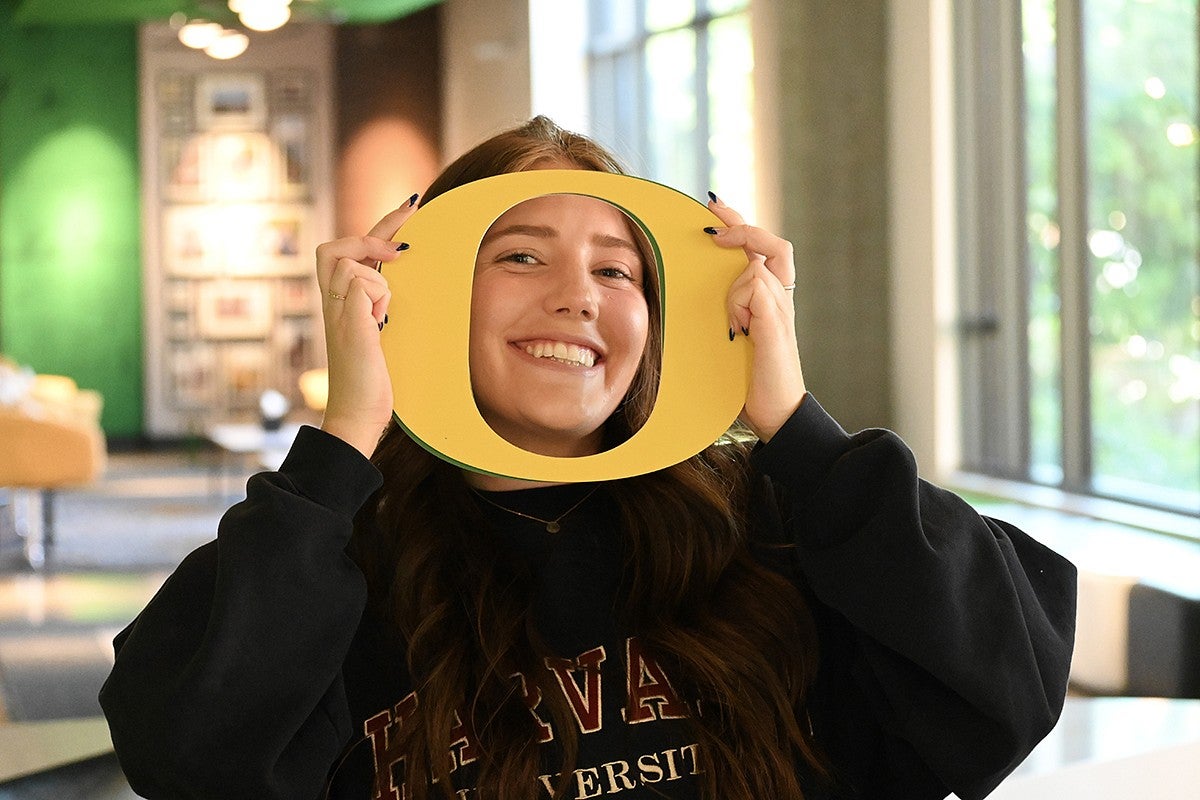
546, 232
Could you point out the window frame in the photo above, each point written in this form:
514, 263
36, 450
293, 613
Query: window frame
629, 136
994, 269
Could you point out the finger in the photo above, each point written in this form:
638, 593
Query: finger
724, 213
776, 252
386, 228
350, 277
366, 250
756, 294
738, 302
365, 300
371, 250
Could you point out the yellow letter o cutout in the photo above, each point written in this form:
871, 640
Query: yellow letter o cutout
704, 375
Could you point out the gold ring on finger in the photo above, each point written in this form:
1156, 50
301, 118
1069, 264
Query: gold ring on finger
789, 287
336, 296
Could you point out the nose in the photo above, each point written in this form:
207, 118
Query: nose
573, 292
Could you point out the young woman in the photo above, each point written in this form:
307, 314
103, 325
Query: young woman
800, 618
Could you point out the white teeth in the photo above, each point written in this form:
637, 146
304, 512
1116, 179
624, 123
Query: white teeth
562, 352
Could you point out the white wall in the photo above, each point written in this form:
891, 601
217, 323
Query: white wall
921, 231
486, 73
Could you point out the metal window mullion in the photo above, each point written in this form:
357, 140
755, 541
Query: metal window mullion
1014, 251
1074, 268
702, 135
966, 57
644, 117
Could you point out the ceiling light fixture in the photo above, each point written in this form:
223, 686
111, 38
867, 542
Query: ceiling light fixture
230, 44
262, 15
199, 33
265, 18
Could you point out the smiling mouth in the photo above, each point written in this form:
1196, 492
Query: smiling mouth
562, 352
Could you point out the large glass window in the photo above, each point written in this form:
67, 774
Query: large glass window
1108, 271
670, 91
1139, 66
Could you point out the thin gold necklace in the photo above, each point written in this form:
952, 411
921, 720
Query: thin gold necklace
552, 525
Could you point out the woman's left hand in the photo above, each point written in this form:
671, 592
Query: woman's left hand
761, 308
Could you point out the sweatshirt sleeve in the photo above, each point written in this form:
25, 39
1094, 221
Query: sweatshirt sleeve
946, 636
228, 684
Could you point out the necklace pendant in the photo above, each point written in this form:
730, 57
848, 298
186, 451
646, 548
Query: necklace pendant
553, 527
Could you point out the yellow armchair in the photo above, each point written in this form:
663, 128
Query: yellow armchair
50, 439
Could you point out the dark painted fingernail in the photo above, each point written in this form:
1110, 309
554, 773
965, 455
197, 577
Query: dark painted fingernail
402, 246
745, 331
713, 197
381, 326
412, 201
731, 334
385, 319
710, 230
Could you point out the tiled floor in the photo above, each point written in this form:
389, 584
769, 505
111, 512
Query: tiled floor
115, 544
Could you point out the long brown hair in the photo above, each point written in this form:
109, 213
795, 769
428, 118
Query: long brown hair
736, 638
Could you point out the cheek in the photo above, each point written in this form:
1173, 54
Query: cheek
636, 329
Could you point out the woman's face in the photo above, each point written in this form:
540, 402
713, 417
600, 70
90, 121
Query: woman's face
558, 322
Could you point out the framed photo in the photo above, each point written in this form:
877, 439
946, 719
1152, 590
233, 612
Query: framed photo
246, 370
289, 89
177, 297
230, 102
182, 167
297, 296
238, 166
289, 135
190, 243
296, 344
193, 375
284, 239
234, 310
266, 239
175, 102
179, 326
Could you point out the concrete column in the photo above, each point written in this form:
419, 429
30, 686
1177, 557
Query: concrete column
821, 82
485, 69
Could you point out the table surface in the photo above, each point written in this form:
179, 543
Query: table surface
1114, 747
251, 437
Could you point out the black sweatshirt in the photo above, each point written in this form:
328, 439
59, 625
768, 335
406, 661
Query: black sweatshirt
945, 637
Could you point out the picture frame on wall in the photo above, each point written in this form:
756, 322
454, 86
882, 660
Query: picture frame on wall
193, 371
189, 243
230, 102
238, 167
179, 326
175, 102
183, 168
296, 344
246, 372
284, 239
234, 309
297, 296
177, 297
289, 136
290, 89
266, 240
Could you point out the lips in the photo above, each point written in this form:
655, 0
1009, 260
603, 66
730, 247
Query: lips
562, 352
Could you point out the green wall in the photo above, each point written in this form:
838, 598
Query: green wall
70, 235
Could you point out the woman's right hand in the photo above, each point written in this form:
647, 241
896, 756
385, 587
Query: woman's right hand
354, 301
